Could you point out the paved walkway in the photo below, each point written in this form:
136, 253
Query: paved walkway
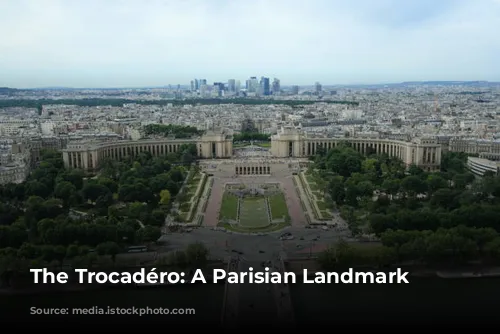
214, 201
305, 199
295, 210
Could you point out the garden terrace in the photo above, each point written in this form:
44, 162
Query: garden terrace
253, 208
191, 194
315, 194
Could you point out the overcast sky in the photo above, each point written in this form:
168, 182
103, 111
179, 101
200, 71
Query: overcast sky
124, 43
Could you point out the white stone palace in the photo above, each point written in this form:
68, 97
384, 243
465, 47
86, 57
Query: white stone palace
287, 143
422, 152
88, 155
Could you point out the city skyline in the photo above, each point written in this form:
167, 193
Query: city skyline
286, 86
134, 44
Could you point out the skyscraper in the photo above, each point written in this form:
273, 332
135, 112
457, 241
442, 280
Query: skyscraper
252, 85
264, 86
295, 90
218, 88
317, 88
231, 85
196, 84
192, 86
276, 86
203, 90
203, 82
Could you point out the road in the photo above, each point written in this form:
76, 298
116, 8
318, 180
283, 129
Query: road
256, 304
253, 247
231, 297
261, 305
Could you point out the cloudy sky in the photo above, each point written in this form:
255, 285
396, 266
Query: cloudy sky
124, 43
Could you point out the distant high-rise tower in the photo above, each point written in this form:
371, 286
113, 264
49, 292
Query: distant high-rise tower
218, 88
252, 85
276, 86
192, 86
231, 85
237, 86
203, 82
295, 90
196, 84
317, 88
264, 86
203, 90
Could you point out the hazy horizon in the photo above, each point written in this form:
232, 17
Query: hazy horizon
186, 86
125, 43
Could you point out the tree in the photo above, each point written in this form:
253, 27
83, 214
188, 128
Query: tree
108, 248
149, 234
336, 189
444, 198
413, 185
165, 197
73, 176
159, 182
365, 188
136, 210
454, 162
136, 191
108, 183
64, 190
435, 182
36, 188
461, 181
371, 167
488, 174
136, 165
92, 191
72, 251
176, 175
391, 186
415, 171
157, 218
380, 223
197, 254
104, 201
352, 193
